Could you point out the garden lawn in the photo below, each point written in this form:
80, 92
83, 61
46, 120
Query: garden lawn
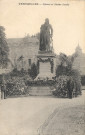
68, 121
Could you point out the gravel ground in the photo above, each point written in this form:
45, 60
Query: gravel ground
30, 115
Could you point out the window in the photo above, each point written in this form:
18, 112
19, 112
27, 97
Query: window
29, 61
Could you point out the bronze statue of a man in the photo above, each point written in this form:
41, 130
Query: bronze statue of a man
46, 33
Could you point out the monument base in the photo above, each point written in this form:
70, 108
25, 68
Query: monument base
46, 65
46, 71
40, 91
44, 76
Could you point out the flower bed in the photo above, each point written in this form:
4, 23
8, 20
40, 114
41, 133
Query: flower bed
41, 83
61, 87
16, 86
22, 85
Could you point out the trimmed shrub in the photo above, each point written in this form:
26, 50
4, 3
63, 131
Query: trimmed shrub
83, 80
33, 71
68, 79
62, 87
16, 86
17, 73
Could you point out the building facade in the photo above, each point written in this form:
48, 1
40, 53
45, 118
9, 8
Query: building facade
23, 52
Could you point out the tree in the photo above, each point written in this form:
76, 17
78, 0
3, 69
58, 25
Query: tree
33, 71
38, 36
65, 70
25, 40
4, 50
66, 63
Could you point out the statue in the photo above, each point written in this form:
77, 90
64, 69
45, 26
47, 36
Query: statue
46, 33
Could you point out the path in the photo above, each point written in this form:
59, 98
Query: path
24, 116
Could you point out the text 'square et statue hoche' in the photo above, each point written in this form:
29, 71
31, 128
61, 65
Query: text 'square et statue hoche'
46, 58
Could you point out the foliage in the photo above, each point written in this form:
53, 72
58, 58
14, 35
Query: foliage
4, 50
20, 58
61, 70
83, 80
61, 87
75, 74
25, 39
20, 73
33, 71
41, 82
65, 66
16, 62
63, 73
16, 86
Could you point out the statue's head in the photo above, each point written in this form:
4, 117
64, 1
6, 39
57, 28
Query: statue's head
47, 21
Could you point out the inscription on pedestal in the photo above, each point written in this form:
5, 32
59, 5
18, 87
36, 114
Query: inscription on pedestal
45, 68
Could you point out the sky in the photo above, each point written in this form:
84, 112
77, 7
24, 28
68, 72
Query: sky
68, 21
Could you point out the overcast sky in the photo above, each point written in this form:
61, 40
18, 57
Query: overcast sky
68, 22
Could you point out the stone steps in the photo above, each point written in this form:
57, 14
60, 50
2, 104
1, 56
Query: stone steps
40, 91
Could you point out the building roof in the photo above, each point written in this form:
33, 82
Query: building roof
15, 42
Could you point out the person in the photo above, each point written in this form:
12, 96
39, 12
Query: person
70, 86
46, 33
3, 89
0, 92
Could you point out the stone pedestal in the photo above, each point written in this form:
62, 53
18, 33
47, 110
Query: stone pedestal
46, 65
40, 91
